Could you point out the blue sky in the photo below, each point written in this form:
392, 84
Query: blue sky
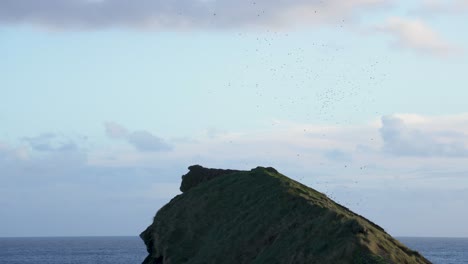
104, 104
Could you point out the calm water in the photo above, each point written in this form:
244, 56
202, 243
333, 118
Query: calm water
127, 250
440, 250
72, 250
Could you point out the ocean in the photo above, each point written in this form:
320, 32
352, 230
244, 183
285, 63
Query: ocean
440, 250
127, 250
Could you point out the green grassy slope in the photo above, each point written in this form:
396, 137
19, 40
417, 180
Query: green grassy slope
261, 216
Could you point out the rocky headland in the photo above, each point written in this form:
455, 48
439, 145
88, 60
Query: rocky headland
262, 216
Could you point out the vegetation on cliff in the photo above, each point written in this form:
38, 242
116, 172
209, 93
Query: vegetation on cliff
261, 216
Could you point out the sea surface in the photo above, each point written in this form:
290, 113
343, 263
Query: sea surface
439, 250
127, 250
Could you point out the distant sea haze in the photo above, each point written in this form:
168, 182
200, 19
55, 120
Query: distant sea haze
127, 250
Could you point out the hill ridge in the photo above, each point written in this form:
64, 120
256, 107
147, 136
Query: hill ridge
262, 216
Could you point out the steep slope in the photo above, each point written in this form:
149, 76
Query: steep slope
261, 216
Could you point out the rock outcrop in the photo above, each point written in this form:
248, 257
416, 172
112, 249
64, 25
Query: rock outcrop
261, 216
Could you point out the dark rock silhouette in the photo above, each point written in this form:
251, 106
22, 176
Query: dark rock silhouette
261, 216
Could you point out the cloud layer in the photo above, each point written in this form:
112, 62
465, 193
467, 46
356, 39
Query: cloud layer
49, 142
415, 34
397, 156
440, 6
181, 14
141, 140
401, 140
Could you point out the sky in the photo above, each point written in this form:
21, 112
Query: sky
105, 103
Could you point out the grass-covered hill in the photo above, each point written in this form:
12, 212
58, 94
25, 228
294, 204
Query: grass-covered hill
262, 216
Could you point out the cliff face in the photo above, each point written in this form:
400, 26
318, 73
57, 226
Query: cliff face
261, 216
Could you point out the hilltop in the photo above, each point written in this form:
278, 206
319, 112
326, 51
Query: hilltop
262, 216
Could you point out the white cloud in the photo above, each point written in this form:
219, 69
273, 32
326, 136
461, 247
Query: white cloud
49, 142
181, 14
42, 155
400, 145
396, 145
415, 34
141, 140
443, 6
145, 141
347, 162
402, 140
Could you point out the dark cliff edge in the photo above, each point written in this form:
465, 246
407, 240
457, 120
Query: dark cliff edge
262, 216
